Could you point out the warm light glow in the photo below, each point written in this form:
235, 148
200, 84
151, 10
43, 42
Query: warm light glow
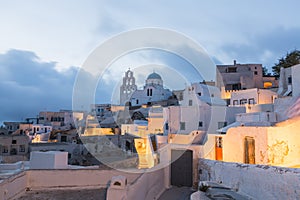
267, 84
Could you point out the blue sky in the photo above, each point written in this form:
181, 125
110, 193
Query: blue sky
44, 42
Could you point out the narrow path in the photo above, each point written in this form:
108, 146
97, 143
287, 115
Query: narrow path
177, 193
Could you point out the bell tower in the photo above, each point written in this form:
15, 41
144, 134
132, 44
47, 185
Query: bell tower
128, 87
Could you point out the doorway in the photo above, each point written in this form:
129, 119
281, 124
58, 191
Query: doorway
182, 168
249, 146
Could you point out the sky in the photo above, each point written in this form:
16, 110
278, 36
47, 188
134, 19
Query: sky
43, 44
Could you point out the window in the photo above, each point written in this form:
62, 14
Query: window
22, 148
200, 124
243, 101
251, 101
37, 129
235, 102
182, 125
137, 101
199, 94
167, 126
222, 124
63, 138
4, 149
219, 142
290, 80
190, 102
14, 142
149, 92
255, 73
231, 69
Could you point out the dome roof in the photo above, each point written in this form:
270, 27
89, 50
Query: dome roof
154, 76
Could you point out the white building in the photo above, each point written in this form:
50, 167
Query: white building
252, 97
153, 92
289, 82
201, 109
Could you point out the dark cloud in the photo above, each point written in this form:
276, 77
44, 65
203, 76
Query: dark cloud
29, 85
266, 48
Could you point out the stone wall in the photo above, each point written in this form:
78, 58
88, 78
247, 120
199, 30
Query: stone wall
257, 181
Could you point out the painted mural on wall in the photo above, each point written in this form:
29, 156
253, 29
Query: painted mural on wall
277, 152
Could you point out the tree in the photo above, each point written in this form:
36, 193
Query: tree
292, 58
265, 71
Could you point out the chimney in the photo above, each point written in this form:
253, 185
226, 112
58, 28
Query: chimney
234, 62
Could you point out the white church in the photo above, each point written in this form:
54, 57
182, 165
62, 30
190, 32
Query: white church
152, 92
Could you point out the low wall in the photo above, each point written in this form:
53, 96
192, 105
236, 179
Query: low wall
257, 181
149, 186
13, 186
11, 166
38, 179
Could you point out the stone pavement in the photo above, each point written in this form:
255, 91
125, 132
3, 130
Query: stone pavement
65, 194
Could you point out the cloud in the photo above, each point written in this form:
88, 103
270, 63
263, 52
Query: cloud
263, 48
29, 85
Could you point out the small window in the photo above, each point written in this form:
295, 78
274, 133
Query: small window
4, 149
243, 101
290, 80
222, 124
199, 94
182, 125
137, 101
200, 124
190, 102
235, 102
14, 142
63, 138
22, 148
251, 101
167, 126
231, 69
219, 142
255, 73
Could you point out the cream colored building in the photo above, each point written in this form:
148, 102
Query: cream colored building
272, 145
